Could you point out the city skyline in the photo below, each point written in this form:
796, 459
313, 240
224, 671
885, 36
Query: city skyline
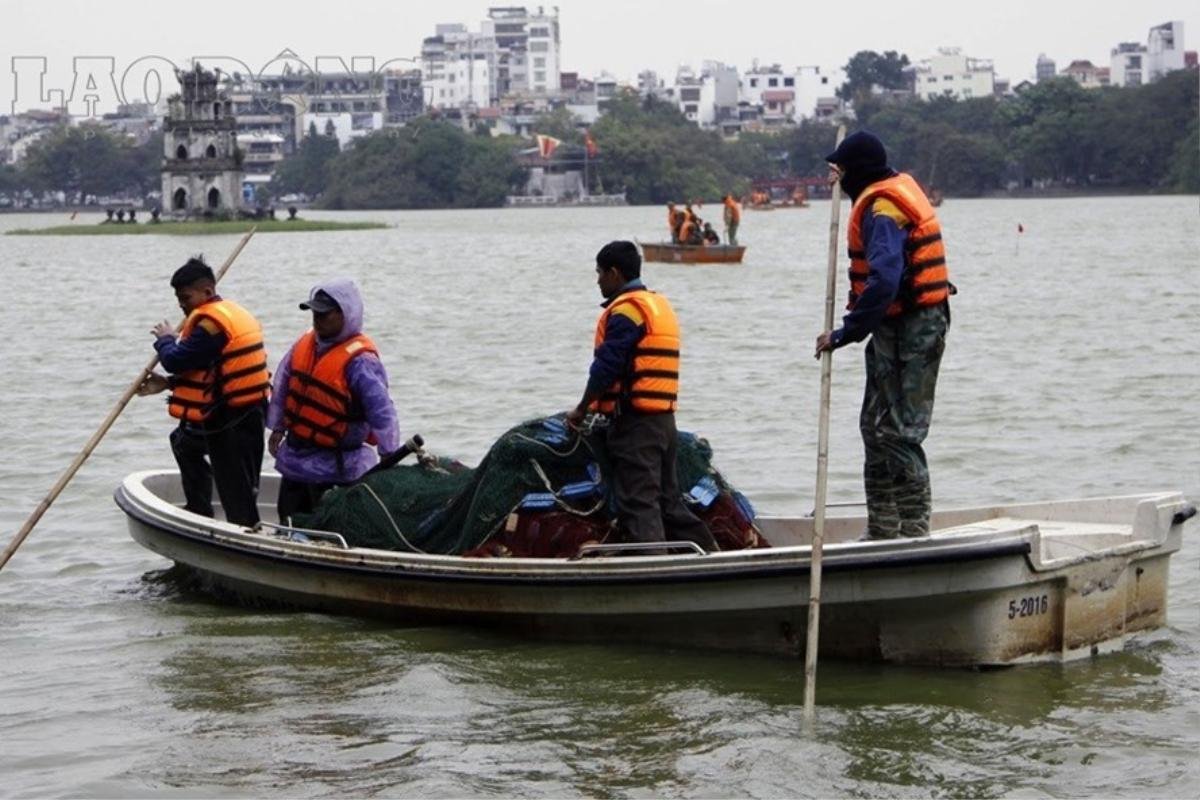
619, 37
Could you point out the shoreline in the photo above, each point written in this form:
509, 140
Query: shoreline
1017, 194
195, 228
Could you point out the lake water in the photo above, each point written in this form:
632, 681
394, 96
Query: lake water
1071, 370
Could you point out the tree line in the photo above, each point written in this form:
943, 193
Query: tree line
85, 160
1054, 135
1049, 136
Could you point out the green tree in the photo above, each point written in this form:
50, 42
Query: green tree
1185, 167
427, 164
11, 180
83, 160
867, 69
807, 145
652, 152
144, 164
561, 124
305, 170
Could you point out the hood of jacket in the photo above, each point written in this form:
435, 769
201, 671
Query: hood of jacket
349, 299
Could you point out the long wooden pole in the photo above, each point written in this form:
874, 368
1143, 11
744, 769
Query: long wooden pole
66, 477
818, 539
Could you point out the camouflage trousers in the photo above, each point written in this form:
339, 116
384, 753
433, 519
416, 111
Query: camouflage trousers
902, 357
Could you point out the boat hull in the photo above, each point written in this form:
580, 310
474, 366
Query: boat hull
693, 254
982, 598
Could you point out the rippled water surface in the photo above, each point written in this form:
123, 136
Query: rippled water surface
1071, 370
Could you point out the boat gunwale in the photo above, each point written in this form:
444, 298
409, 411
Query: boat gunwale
731, 565
764, 563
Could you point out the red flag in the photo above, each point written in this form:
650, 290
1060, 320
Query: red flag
546, 145
590, 144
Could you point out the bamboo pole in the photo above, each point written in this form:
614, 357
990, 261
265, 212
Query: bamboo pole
66, 477
818, 540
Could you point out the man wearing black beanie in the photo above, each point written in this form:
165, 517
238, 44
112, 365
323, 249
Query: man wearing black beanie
899, 297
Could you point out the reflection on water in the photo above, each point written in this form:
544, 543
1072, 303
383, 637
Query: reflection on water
119, 678
346, 705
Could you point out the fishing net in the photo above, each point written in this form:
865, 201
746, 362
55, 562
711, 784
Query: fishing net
540, 491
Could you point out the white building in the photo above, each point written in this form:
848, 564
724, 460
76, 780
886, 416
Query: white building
685, 92
952, 74
347, 105
1164, 46
1127, 60
772, 92
515, 52
459, 68
261, 154
530, 40
709, 99
816, 91
719, 90
1134, 64
758, 80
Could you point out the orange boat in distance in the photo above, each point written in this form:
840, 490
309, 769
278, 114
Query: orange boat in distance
692, 253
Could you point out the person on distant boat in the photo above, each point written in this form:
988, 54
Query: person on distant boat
634, 380
710, 235
219, 387
330, 402
899, 297
689, 231
675, 219
733, 218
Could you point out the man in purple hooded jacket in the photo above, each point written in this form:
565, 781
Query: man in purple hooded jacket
330, 402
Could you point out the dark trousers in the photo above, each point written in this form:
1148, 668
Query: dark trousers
298, 497
650, 507
229, 454
902, 357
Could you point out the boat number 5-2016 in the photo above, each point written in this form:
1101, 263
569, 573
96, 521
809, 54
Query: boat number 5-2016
1028, 606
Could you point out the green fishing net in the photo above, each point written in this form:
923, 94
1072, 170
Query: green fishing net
446, 508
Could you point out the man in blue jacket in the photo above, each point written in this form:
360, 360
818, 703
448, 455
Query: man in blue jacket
899, 297
634, 380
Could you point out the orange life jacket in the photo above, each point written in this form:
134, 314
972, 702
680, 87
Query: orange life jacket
238, 378
687, 231
732, 212
319, 408
926, 280
652, 381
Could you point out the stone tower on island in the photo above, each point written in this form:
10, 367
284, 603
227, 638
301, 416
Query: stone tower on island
202, 165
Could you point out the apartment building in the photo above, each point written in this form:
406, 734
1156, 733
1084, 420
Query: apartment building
1134, 64
516, 51
951, 73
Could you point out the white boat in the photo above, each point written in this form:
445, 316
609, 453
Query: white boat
995, 585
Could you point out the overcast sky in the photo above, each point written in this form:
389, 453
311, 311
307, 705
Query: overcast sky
621, 36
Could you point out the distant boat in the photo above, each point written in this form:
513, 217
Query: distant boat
693, 253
